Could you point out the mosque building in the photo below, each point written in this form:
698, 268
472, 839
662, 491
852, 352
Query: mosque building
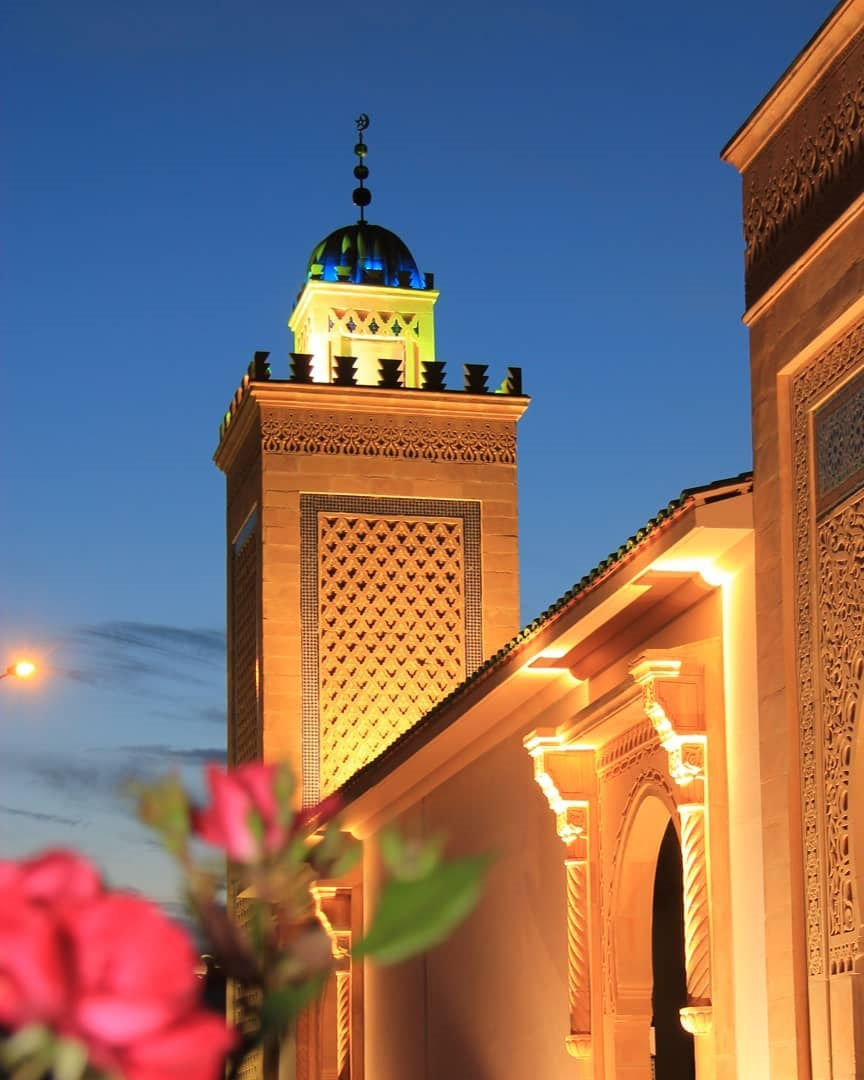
669, 762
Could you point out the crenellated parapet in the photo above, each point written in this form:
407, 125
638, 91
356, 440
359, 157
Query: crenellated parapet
344, 373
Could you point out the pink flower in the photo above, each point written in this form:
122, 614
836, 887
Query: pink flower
106, 968
249, 817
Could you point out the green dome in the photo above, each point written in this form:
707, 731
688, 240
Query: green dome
364, 254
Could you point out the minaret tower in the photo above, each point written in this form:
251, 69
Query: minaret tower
371, 516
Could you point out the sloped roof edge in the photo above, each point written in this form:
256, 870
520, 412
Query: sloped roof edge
431, 722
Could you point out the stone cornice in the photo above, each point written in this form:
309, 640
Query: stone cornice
358, 420
796, 82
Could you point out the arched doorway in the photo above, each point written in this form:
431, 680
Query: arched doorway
673, 1046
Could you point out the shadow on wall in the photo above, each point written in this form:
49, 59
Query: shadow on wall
674, 1046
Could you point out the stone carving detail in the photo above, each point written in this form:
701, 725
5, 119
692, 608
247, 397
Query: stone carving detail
841, 611
797, 167
620, 754
644, 779
384, 324
697, 1019
843, 957
343, 1025
839, 436
697, 936
245, 728
810, 387
391, 620
578, 946
571, 821
379, 436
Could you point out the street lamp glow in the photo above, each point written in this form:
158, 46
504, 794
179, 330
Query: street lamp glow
21, 669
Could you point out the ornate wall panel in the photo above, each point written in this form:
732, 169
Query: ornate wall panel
391, 618
830, 634
838, 429
244, 723
807, 174
306, 432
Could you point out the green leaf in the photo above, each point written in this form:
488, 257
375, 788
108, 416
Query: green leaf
164, 805
70, 1060
409, 859
281, 1008
413, 916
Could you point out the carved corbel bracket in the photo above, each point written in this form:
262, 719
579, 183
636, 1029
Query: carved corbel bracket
566, 775
672, 701
672, 697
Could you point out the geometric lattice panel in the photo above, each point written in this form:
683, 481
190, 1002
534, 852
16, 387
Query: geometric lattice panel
838, 428
244, 721
390, 620
391, 626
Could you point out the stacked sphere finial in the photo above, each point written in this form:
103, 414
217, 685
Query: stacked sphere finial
362, 195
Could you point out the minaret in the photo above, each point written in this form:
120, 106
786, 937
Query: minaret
371, 516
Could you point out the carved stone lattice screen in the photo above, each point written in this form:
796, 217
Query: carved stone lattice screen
827, 408
391, 621
245, 729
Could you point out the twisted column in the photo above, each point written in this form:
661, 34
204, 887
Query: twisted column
697, 936
578, 957
343, 1025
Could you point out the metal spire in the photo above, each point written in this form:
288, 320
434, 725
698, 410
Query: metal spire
362, 195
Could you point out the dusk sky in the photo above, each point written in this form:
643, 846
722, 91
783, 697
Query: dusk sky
166, 170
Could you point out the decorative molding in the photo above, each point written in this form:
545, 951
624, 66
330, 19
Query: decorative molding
843, 955
658, 678
838, 435
578, 947
697, 1019
391, 611
697, 922
556, 763
333, 908
644, 779
825, 864
807, 173
840, 555
686, 754
343, 1025
579, 1046
623, 752
244, 725
308, 432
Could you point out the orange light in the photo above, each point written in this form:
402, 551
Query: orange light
21, 669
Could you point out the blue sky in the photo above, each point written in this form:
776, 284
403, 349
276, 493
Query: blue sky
167, 169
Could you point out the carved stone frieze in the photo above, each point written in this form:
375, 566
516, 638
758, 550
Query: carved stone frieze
307, 432
807, 174
841, 618
620, 754
823, 705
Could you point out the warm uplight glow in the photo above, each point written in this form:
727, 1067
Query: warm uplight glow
21, 669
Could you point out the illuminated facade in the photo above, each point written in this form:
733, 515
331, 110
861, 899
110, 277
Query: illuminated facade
669, 762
